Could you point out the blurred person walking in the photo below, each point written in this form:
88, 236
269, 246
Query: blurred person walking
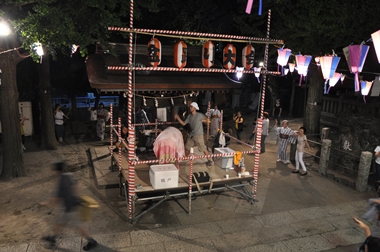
66, 193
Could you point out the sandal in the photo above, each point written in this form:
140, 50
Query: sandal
296, 171
303, 174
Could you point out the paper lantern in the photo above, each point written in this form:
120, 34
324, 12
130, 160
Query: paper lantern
376, 43
208, 55
154, 52
180, 54
257, 71
328, 66
291, 67
366, 87
239, 72
248, 57
283, 56
355, 56
333, 81
303, 62
229, 57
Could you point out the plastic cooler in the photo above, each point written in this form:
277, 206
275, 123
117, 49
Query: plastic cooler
224, 161
163, 176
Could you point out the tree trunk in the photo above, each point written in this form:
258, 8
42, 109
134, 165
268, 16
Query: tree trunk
49, 140
13, 161
314, 100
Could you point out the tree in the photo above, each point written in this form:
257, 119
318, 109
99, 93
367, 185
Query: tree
56, 25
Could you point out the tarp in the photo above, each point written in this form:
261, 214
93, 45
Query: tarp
169, 144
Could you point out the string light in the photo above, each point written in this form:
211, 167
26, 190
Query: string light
156, 102
171, 99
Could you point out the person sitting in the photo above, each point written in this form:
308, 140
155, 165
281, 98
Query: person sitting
122, 141
371, 243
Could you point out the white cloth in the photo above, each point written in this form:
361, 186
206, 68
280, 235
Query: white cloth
161, 114
265, 127
222, 140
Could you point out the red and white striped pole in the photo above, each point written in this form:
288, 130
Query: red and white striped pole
208, 122
120, 142
131, 129
260, 122
191, 177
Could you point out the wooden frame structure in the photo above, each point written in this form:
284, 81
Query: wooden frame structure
185, 189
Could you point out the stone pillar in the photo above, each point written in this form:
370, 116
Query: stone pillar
325, 133
363, 171
325, 156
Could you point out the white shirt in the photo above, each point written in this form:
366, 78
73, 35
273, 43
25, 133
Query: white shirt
58, 117
378, 158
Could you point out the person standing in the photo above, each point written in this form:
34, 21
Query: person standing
102, 115
301, 142
66, 193
285, 135
377, 164
265, 132
238, 124
195, 137
215, 121
22, 120
277, 112
58, 121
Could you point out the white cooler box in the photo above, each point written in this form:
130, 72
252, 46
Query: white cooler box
163, 176
225, 161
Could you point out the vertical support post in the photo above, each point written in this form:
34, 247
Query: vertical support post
131, 129
208, 122
325, 156
156, 128
363, 171
325, 133
111, 131
191, 177
120, 142
263, 87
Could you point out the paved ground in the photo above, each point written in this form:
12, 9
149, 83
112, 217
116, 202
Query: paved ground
294, 213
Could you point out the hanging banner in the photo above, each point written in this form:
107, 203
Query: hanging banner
248, 57
208, 55
154, 52
229, 57
180, 54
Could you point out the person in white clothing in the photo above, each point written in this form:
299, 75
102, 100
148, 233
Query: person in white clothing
58, 121
264, 134
102, 116
301, 142
215, 121
377, 163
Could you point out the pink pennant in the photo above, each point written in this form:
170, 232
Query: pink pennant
249, 7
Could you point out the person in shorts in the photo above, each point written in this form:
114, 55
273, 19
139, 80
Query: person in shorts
67, 195
196, 136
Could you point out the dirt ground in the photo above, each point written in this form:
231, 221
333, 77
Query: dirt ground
23, 219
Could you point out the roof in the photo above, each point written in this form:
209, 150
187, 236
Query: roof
117, 81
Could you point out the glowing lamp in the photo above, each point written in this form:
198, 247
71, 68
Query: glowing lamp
4, 29
355, 57
257, 71
239, 72
37, 47
328, 66
376, 43
366, 87
283, 57
303, 62
317, 59
291, 67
